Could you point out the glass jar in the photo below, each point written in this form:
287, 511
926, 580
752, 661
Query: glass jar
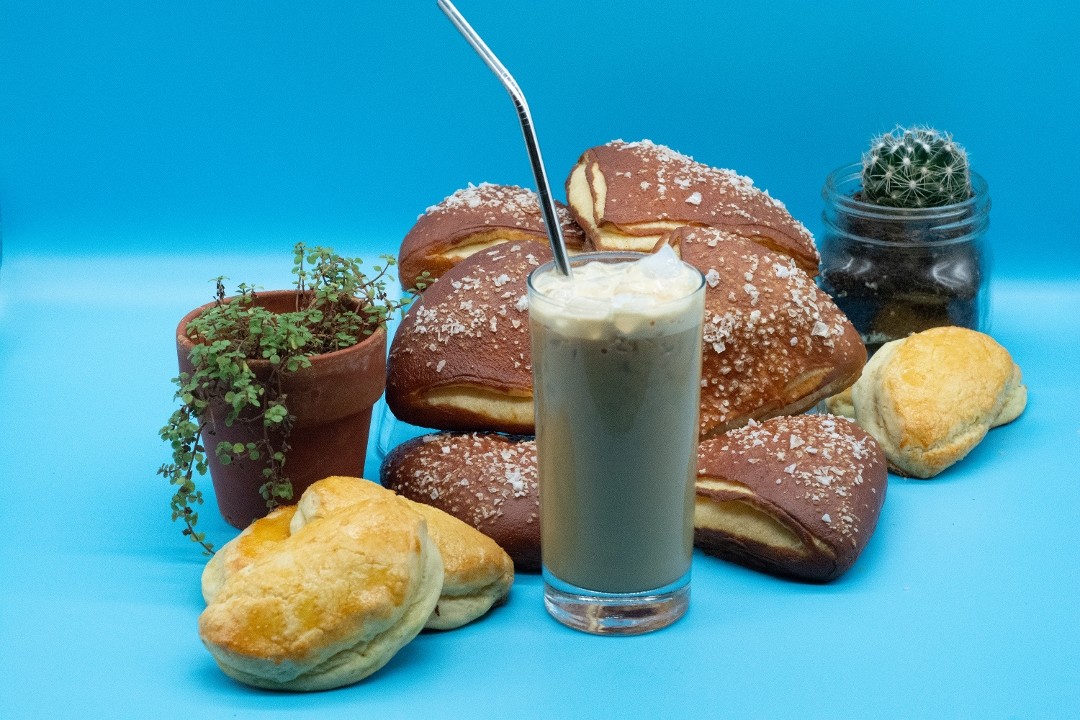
896, 271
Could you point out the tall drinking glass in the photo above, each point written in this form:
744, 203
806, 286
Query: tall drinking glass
617, 374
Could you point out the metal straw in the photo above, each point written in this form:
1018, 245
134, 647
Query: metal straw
547, 205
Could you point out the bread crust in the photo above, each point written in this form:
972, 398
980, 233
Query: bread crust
625, 195
774, 344
794, 496
930, 398
461, 359
473, 219
486, 480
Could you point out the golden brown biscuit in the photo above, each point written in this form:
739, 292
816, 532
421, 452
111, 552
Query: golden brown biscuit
487, 480
326, 605
794, 496
461, 359
626, 195
477, 573
841, 403
774, 344
931, 397
256, 540
474, 219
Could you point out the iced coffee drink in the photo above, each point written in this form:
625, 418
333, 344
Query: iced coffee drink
616, 368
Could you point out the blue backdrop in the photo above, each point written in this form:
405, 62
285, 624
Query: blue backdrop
132, 125
133, 132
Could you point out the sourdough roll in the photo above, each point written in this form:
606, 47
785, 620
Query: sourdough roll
461, 358
774, 344
474, 219
625, 195
324, 602
930, 398
794, 496
487, 480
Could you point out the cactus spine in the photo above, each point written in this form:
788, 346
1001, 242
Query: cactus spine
915, 168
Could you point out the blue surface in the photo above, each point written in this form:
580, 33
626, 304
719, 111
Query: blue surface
964, 604
147, 148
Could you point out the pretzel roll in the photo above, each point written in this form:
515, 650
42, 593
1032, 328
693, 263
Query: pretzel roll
461, 358
626, 195
487, 480
474, 219
774, 344
793, 496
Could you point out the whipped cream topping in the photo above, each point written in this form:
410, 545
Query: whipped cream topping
654, 295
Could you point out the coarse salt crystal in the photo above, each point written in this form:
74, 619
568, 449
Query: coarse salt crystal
826, 518
694, 199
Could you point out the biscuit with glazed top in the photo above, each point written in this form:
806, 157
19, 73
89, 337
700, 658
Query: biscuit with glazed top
794, 496
487, 480
474, 219
461, 358
477, 573
774, 344
930, 398
324, 602
626, 195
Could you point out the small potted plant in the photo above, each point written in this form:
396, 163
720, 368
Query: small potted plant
904, 244
276, 388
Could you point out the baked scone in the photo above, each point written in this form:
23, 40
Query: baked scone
461, 358
625, 195
474, 219
257, 539
794, 496
327, 603
487, 480
477, 573
841, 403
774, 344
931, 397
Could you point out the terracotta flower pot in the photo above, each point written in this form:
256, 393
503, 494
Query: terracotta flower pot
331, 401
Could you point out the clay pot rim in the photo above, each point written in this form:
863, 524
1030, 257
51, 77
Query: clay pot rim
183, 339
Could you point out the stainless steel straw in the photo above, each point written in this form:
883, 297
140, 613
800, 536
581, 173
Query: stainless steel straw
547, 205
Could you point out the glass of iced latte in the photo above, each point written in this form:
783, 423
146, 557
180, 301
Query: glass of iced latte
616, 353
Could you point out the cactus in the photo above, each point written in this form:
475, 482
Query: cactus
915, 168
